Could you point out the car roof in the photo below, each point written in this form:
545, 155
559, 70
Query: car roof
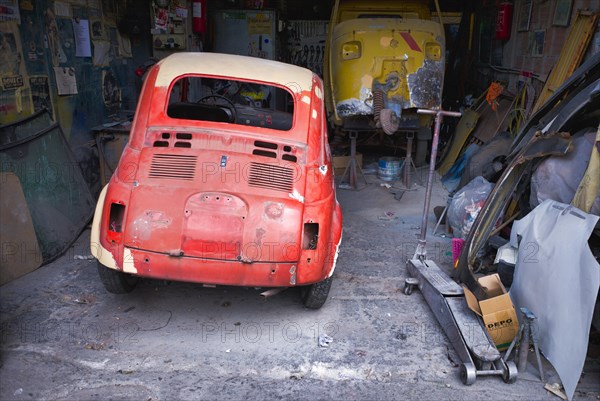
295, 78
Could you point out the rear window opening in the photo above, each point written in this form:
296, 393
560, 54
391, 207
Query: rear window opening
232, 102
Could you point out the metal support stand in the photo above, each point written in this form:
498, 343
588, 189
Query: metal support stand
350, 177
526, 336
408, 169
469, 338
442, 215
440, 220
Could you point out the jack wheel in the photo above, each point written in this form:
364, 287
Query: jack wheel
468, 374
510, 374
409, 285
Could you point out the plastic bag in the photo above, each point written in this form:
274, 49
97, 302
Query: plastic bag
558, 177
466, 204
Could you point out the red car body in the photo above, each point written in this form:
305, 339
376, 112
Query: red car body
234, 202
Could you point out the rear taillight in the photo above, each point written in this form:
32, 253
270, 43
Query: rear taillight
433, 51
310, 237
351, 50
115, 221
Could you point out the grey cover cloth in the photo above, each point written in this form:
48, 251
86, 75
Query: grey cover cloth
557, 278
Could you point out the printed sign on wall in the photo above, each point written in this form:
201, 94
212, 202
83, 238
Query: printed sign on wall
40, 93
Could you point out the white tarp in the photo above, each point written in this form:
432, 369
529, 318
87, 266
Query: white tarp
557, 278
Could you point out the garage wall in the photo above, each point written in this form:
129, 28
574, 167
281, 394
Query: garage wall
43, 64
538, 33
522, 50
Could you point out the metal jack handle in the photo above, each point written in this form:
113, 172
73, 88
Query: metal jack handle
421, 251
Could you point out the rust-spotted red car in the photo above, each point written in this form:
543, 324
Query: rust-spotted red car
226, 180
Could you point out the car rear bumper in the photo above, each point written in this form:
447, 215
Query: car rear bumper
211, 271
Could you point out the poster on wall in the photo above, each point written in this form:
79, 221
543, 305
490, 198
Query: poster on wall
111, 93
536, 42
15, 99
9, 11
97, 29
55, 43
15, 105
101, 53
66, 81
81, 31
259, 24
40, 94
12, 66
62, 9
124, 49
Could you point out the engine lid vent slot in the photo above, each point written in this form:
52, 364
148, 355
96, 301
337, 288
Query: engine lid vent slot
176, 167
270, 176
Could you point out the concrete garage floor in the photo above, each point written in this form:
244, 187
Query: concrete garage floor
64, 338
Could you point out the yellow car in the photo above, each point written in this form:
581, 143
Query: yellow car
384, 59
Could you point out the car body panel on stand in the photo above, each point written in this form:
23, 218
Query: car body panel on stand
383, 55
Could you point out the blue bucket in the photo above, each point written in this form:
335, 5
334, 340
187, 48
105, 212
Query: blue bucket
389, 168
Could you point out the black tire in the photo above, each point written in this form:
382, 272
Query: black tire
315, 295
116, 282
487, 159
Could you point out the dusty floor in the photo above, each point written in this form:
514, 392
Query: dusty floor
64, 338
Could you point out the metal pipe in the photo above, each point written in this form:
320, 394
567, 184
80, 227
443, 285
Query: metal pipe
524, 348
408, 160
490, 372
439, 115
272, 291
439, 12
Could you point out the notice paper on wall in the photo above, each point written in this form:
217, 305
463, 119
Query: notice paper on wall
81, 31
101, 53
62, 9
66, 82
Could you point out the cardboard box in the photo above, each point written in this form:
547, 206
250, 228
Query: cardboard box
497, 312
340, 163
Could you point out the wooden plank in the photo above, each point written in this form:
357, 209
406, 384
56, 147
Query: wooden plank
570, 57
20, 250
465, 126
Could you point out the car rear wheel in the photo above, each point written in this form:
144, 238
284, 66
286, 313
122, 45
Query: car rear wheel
315, 295
115, 281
